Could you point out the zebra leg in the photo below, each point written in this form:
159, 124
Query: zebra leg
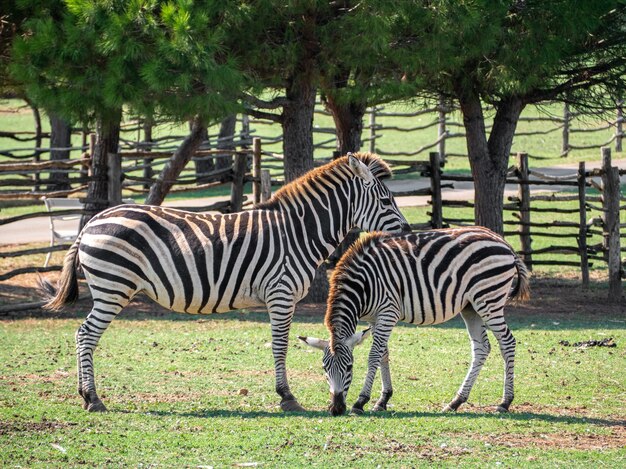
379, 346
387, 390
280, 319
501, 331
87, 337
480, 350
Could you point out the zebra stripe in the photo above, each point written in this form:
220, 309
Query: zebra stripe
423, 278
203, 263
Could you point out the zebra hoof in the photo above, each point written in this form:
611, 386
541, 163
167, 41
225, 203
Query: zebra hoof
379, 408
448, 409
96, 406
356, 411
291, 406
502, 409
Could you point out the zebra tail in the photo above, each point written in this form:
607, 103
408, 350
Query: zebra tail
66, 291
521, 291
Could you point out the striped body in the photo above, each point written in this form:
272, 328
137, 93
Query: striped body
423, 278
197, 263
428, 277
203, 263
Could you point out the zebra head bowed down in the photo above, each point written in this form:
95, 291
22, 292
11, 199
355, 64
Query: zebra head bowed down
423, 278
203, 263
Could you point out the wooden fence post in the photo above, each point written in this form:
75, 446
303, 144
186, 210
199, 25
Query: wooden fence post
256, 170
582, 219
524, 210
266, 185
566, 120
372, 144
114, 178
610, 219
436, 216
441, 128
619, 125
240, 165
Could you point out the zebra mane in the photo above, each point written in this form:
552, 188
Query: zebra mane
379, 168
341, 272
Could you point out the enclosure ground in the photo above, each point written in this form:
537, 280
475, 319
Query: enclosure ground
194, 391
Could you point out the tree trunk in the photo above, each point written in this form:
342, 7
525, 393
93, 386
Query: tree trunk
107, 141
226, 141
177, 163
38, 141
348, 123
348, 119
297, 125
489, 159
148, 171
60, 137
205, 165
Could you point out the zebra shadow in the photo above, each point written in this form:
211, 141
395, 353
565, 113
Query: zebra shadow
238, 414
511, 416
391, 415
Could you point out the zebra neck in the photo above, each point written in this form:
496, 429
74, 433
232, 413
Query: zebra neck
320, 218
341, 321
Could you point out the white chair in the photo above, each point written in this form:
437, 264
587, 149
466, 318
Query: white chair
64, 228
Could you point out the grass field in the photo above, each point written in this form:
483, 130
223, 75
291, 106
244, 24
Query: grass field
184, 391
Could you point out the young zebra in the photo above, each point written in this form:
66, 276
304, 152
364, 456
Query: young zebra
203, 263
423, 278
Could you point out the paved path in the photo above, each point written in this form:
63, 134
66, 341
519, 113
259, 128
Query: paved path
37, 229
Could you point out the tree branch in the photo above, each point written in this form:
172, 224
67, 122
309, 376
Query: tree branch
275, 103
278, 118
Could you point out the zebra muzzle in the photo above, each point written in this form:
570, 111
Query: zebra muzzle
338, 404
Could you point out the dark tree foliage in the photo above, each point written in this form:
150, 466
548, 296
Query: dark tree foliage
89, 59
508, 54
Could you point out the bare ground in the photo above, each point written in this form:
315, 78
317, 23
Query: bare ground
557, 296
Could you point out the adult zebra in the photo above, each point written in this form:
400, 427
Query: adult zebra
423, 278
202, 263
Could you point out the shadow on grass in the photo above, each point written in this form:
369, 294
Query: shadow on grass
512, 416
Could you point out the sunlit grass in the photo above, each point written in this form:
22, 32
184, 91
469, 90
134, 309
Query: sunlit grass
183, 391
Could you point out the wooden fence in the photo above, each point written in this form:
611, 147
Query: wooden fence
245, 167
444, 123
595, 235
143, 157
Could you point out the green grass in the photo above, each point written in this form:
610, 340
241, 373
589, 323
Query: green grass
172, 385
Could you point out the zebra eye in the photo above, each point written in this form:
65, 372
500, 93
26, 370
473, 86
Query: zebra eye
386, 201
349, 368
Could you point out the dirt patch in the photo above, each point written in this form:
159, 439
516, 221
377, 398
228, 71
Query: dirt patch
560, 297
615, 438
34, 378
398, 449
608, 342
154, 398
10, 427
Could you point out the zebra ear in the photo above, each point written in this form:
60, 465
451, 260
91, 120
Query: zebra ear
313, 342
359, 168
359, 337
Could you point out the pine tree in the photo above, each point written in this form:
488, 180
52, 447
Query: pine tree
89, 59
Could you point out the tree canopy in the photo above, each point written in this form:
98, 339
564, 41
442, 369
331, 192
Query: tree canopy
508, 54
180, 58
87, 57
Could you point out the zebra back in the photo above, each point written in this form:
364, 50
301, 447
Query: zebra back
404, 266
